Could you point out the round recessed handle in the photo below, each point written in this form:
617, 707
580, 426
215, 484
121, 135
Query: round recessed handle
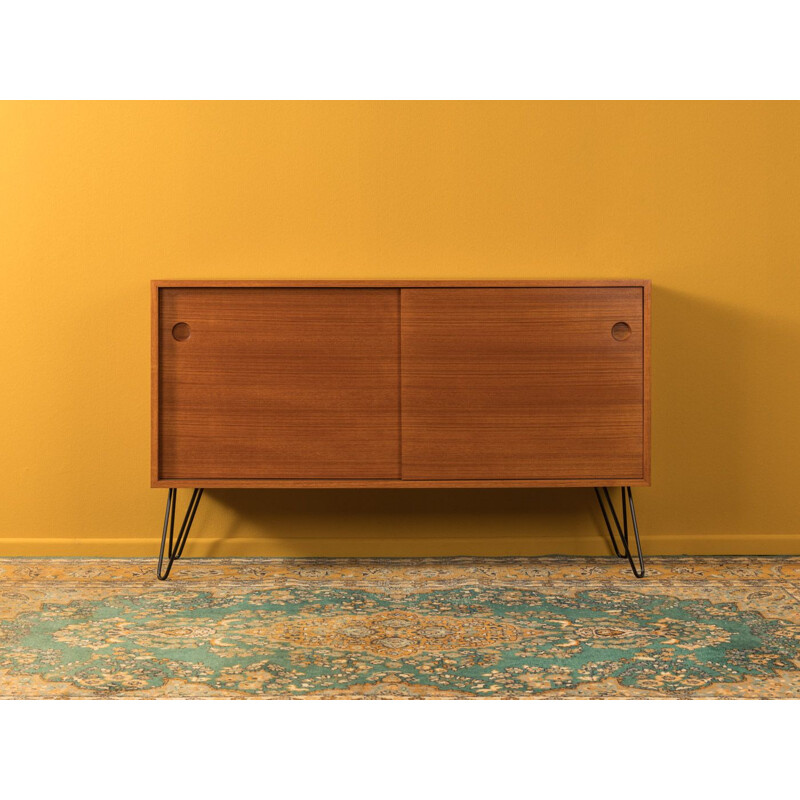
621, 331
181, 332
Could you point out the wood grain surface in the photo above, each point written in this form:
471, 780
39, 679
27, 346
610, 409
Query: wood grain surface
277, 383
300, 384
397, 284
381, 483
511, 384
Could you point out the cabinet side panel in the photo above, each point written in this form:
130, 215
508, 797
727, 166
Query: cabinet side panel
515, 384
154, 369
278, 383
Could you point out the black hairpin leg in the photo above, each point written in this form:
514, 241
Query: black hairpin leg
175, 549
627, 501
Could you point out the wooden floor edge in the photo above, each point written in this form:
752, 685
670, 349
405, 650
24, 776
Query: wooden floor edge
244, 547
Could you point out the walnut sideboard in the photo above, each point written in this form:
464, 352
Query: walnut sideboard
401, 384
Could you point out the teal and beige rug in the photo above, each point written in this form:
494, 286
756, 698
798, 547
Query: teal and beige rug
416, 628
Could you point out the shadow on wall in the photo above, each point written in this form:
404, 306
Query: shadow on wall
398, 522
703, 360
700, 373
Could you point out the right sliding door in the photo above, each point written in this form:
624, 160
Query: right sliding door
523, 383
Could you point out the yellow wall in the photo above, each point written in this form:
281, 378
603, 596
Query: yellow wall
98, 198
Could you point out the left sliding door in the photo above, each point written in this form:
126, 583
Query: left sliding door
277, 383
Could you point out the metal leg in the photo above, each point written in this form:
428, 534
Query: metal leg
604, 498
175, 549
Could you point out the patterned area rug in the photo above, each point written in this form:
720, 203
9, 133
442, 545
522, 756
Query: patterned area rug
392, 628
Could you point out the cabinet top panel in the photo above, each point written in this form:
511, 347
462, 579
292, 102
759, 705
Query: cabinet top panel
507, 284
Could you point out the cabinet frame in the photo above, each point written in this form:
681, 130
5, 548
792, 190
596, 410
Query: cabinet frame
358, 483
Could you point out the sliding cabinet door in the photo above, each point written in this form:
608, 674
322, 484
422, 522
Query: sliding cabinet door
278, 383
517, 383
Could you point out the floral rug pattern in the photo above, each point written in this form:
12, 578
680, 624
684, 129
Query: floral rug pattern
400, 628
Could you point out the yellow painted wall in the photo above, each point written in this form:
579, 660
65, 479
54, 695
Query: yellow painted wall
98, 198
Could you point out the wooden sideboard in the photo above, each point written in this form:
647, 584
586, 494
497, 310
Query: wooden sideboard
400, 384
